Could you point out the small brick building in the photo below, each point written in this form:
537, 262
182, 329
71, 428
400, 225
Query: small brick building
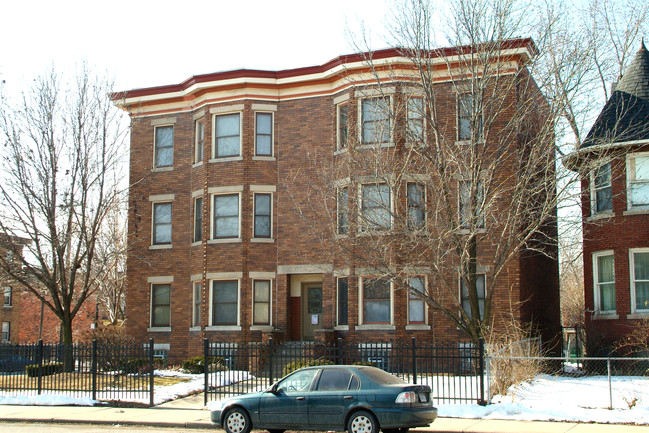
614, 163
219, 248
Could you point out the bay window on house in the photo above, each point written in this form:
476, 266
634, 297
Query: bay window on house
225, 213
601, 196
639, 280
6, 332
261, 303
375, 120
471, 203
415, 121
342, 301
342, 127
376, 206
416, 204
469, 118
604, 282
225, 303
7, 297
377, 305
227, 135
343, 210
263, 204
482, 291
638, 181
196, 303
163, 148
416, 305
161, 224
263, 134
199, 141
198, 219
160, 305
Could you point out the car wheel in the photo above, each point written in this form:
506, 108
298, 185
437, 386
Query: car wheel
237, 420
362, 422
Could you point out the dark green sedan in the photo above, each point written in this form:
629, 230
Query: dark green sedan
358, 399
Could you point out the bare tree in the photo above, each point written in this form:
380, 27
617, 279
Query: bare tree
62, 143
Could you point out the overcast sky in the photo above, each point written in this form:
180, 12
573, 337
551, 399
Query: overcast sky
143, 43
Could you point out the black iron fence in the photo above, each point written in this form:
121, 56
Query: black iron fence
90, 371
454, 371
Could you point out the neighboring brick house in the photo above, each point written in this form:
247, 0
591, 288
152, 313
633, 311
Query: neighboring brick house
614, 162
25, 319
218, 247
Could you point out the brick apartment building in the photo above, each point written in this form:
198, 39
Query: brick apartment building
614, 162
219, 177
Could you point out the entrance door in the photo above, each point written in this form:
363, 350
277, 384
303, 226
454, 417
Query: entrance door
311, 309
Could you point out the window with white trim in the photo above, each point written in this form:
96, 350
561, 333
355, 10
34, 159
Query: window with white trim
225, 303
6, 332
161, 223
376, 206
263, 134
416, 204
481, 292
198, 219
199, 140
261, 302
227, 135
225, 213
163, 146
342, 125
7, 297
471, 203
416, 304
639, 280
377, 305
415, 120
342, 299
375, 120
160, 305
469, 118
263, 203
343, 210
196, 303
638, 181
601, 191
604, 282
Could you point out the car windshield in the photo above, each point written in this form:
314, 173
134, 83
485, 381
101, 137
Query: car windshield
381, 377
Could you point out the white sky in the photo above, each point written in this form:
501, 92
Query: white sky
143, 43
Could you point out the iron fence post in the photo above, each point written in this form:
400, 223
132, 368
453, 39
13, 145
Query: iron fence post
339, 351
206, 354
482, 400
94, 369
151, 368
610, 390
39, 357
270, 359
414, 361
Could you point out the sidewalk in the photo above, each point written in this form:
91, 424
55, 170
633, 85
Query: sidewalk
189, 413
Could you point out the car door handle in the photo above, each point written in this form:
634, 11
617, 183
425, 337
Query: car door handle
347, 397
299, 398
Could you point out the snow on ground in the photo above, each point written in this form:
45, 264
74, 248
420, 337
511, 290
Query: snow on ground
546, 398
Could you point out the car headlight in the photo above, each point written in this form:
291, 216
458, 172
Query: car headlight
406, 397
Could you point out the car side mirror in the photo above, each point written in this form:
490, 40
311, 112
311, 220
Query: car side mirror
273, 389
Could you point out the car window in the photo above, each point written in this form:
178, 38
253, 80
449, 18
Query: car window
381, 377
299, 381
335, 380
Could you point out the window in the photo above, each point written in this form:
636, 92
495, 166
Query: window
261, 302
416, 305
263, 219
160, 305
640, 280
300, 381
468, 118
601, 195
343, 210
161, 223
5, 331
638, 181
199, 141
198, 219
342, 126
7, 297
415, 198
225, 303
226, 216
375, 120
471, 202
334, 380
604, 282
342, 288
227, 135
376, 206
263, 134
164, 146
196, 310
480, 287
376, 300
415, 121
